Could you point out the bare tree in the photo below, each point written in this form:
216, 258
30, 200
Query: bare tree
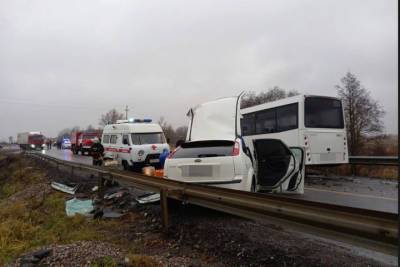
172, 135
180, 133
273, 94
363, 114
111, 117
168, 130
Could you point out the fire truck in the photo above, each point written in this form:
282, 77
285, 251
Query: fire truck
83, 141
30, 140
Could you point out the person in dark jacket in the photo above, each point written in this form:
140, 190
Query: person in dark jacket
97, 152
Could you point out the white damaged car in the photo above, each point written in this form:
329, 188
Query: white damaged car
215, 153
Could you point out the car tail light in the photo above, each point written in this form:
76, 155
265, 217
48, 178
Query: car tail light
236, 149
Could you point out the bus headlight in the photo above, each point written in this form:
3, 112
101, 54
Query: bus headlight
140, 153
32, 146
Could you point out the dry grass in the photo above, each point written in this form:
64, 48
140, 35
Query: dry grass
33, 222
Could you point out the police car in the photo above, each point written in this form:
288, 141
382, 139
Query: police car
134, 143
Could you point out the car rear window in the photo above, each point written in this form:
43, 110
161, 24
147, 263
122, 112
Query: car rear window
204, 149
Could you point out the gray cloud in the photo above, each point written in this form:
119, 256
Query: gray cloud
66, 62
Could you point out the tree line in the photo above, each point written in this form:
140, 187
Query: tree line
363, 114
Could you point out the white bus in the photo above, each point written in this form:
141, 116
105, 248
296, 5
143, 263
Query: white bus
313, 122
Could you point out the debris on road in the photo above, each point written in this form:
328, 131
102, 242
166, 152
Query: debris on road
149, 171
110, 163
74, 206
64, 188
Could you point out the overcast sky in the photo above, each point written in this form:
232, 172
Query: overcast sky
64, 63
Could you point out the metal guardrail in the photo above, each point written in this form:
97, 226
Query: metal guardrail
374, 160
366, 228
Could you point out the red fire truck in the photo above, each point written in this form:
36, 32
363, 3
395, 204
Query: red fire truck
30, 140
83, 141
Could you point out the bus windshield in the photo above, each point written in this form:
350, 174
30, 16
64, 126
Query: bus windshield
322, 112
37, 137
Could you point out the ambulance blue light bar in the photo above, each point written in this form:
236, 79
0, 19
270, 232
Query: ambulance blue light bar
139, 120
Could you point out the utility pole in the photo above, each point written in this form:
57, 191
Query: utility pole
126, 112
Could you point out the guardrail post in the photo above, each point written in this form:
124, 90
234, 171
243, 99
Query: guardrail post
72, 172
58, 168
353, 168
164, 208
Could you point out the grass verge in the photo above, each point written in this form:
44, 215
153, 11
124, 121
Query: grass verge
33, 222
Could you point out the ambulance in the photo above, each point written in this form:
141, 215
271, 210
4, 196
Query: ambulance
134, 143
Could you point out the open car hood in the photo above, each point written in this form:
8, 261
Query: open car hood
215, 120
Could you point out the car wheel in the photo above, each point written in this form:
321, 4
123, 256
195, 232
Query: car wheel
125, 165
253, 185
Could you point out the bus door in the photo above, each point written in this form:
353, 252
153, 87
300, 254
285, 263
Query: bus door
279, 169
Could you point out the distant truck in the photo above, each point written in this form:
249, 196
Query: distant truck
31, 140
83, 141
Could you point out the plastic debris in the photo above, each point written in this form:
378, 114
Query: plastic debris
108, 213
118, 194
110, 163
95, 188
64, 188
74, 206
148, 198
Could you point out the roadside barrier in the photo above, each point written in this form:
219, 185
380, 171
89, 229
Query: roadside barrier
365, 228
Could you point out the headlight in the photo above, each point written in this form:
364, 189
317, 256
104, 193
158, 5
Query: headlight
140, 153
32, 145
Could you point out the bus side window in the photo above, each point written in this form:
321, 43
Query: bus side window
287, 117
106, 139
248, 124
265, 121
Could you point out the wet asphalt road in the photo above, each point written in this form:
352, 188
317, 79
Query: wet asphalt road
360, 192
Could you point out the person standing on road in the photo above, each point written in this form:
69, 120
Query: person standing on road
97, 151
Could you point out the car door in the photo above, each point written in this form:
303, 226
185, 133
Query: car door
278, 168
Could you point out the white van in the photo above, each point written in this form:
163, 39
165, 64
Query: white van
215, 153
134, 143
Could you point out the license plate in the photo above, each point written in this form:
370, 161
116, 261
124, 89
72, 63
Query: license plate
200, 171
154, 160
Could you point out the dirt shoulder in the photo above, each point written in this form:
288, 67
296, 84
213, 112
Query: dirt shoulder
34, 225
